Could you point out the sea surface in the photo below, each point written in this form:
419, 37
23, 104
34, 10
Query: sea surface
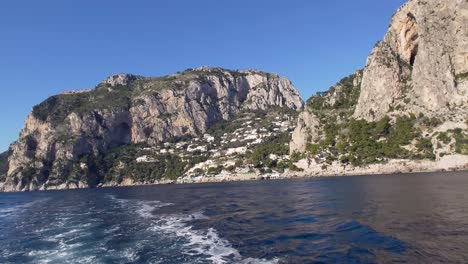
406, 218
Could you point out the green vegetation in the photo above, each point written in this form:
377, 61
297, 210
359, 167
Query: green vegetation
3, 165
166, 166
426, 148
215, 170
432, 122
201, 74
296, 156
461, 141
443, 136
347, 96
121, 163
223, 126
56, 108
293, 167
359, 142
461, 77
276, 145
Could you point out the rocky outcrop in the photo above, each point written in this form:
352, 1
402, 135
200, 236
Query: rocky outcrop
120, 79
423, 58
382, 83
415, 83
64, 136
308, 125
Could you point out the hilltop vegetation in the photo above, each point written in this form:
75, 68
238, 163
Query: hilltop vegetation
345, 95
104, 97
56, 108
123, 96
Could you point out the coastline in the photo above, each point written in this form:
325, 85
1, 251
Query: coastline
310, 170
283, 176
447, 163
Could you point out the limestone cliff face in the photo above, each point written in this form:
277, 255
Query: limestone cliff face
127, 109
382, 83
308, 125
420, 67
423, 57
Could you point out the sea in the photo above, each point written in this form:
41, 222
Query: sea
402, 218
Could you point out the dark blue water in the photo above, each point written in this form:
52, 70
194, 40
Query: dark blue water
419, 218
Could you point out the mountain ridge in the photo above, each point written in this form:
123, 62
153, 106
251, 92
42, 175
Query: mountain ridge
128, 109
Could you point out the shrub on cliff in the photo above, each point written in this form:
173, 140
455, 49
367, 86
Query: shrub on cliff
277, 145
3, 164
359, 142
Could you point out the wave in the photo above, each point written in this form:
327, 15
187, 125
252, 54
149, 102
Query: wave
11, 210
72, 236
144, 209
201, 244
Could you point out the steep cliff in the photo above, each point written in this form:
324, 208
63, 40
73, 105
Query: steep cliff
423, 59
66, 138
410, 101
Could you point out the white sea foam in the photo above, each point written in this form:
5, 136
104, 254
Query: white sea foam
67, 236
144, 209
112, 230
198, 243
16, 209
130, 255
61, 254
67, 245
202, 243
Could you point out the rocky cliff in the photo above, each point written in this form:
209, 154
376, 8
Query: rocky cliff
66, 137
410, 102
423, 59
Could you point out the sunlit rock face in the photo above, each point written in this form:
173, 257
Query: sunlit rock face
423, 57
420, 67
129, 109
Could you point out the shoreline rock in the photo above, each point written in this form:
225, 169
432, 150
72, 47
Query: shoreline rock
393, 167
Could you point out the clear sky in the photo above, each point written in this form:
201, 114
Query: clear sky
50, 46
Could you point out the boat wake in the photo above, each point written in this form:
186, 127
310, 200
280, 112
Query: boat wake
17, 209
199, 244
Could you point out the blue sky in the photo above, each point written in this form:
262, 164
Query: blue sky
50, 46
